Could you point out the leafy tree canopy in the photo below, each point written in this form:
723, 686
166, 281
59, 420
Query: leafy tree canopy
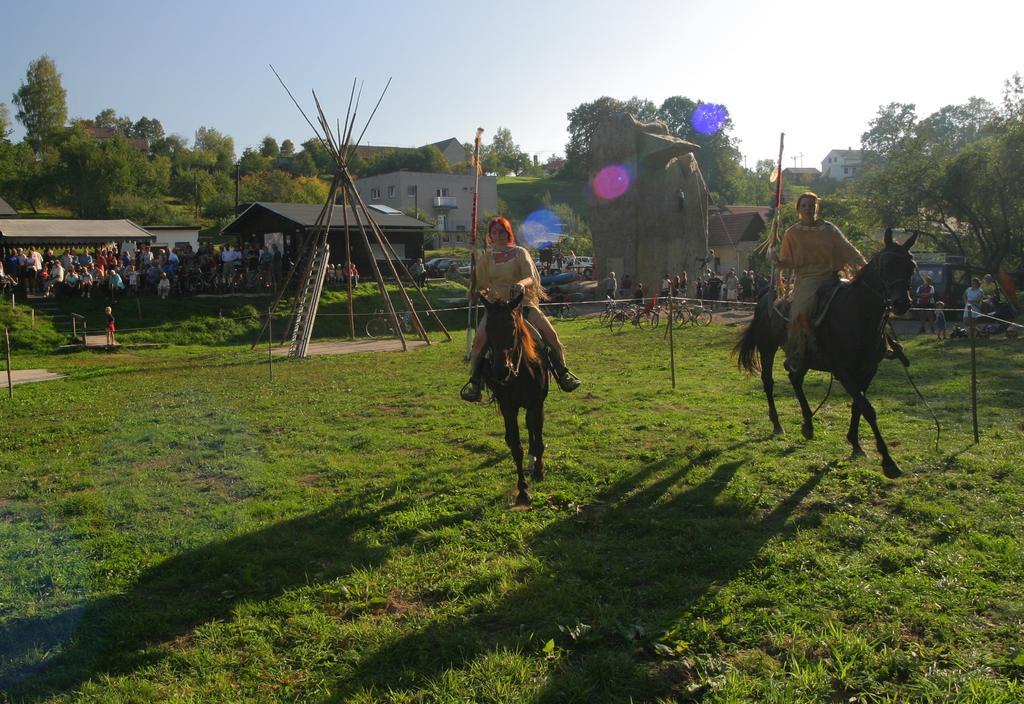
42, 104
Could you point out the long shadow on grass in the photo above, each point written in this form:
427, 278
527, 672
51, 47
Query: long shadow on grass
627, 570
40, 657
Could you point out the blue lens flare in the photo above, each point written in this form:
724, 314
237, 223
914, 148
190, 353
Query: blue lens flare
709, 118
541, 228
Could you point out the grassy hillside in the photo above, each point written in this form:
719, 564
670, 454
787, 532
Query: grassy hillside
523, 195
176, 527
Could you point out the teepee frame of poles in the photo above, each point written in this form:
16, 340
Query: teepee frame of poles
311, 263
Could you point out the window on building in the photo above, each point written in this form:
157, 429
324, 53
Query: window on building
441, 193
410, 191
391, 191
374, 194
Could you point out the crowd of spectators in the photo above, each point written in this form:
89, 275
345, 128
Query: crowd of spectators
109, 271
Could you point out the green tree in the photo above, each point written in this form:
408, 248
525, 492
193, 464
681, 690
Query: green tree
149, 129
583, 120
5, 122
269, 147
109, 119
503, 156
218, 149
42, 104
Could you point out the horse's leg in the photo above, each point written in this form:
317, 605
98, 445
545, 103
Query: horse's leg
797, 380
768, 382
535, 424
889, 466
854, 433
511, 415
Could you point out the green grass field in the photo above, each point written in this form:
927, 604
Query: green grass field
176, 527
522, 195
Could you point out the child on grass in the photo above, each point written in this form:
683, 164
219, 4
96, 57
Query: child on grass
940, 320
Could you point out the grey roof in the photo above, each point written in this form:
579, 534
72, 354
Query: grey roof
307, 215
40, 231
6, 211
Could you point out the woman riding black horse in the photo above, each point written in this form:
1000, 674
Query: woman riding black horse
850, 341
517, 376
506, 271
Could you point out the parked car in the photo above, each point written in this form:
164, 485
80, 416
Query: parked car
583, 266
437, 268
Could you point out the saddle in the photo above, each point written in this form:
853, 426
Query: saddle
824, 296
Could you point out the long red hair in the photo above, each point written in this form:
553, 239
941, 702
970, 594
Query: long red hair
505, 225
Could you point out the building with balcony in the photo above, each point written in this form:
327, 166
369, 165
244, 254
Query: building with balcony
446, 200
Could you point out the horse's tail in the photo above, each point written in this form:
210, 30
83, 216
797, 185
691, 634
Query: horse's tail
745, 349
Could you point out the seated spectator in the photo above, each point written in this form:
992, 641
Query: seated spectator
115, 283
71, 279
86, 282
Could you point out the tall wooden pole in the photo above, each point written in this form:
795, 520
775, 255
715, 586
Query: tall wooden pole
777, 219
10, 384
471, 300
974, 378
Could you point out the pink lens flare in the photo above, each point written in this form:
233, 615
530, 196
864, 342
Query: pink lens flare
612, 181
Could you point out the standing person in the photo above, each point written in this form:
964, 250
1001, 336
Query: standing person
352, 273
419, 273
666, 287
611, 285
683, 284
747, 286
111, 326
940, 320
815, 250
506, 271
972, 299
925, 297
732, 286
627, 286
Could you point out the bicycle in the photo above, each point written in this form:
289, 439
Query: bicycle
683, 314
563, 311
382, 325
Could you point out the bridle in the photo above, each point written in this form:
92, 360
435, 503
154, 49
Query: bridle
514, 350
887, 284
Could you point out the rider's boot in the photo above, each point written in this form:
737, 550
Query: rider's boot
472, 390
567, 381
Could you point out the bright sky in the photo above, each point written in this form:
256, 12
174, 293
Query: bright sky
816, 71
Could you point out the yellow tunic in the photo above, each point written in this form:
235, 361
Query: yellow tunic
497, 270
814, 253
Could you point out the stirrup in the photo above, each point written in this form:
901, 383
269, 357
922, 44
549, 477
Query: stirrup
567, 381
471, 391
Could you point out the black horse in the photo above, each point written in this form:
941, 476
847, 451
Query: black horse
850, 340
517, 375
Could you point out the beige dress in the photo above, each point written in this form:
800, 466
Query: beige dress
814, 253
498, 269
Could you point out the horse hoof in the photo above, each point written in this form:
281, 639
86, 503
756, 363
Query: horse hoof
857, 453
892, 470
523, 500
808, 430
538, 473
778, 430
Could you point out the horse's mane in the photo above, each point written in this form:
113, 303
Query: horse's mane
525, 338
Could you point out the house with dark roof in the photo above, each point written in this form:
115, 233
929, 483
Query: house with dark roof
288, 225
451, 149
734, 235
105, 134
803, 175
55, 233
6, 211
